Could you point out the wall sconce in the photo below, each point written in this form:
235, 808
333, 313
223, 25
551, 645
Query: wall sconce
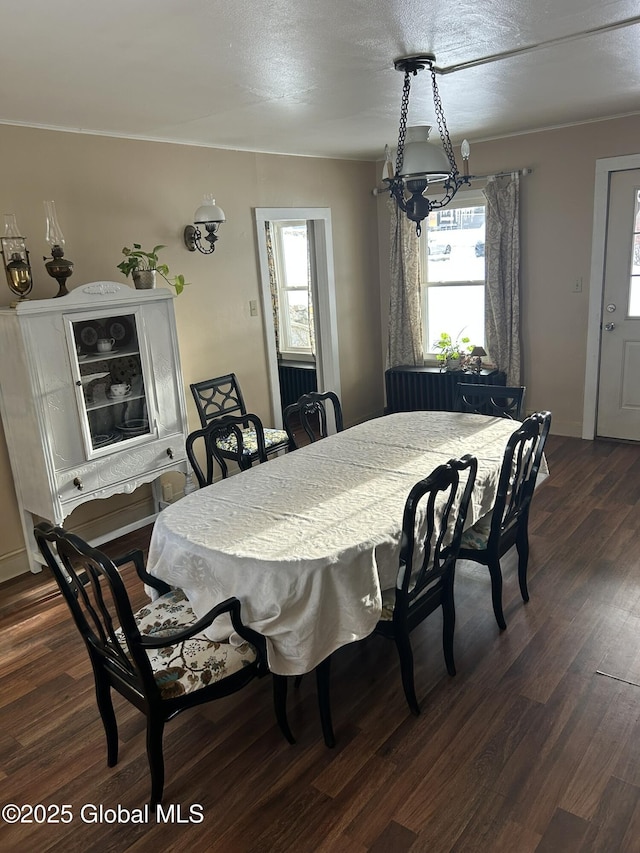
476, 354
209, 215
16, 259
58, 267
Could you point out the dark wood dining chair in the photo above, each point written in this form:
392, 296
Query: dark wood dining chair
221, 397
158, 658
432, 525
434, 516
227, 438
508, 522
503, 401
308, 416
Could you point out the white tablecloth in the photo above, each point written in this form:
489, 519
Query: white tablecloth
308, 540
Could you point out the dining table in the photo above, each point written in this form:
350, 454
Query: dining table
308, 540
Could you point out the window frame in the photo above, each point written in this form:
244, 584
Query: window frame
287, 348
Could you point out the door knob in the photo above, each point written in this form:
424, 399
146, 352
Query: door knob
609, 326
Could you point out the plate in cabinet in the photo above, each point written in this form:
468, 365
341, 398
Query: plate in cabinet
89, 333
119, 328
132, 428
107, 438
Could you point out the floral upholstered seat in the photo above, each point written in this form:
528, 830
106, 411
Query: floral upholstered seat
240, 438
193, 663
159, 658
272, 437
476, 537
221, 397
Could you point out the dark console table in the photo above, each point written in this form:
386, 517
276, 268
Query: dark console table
411, 389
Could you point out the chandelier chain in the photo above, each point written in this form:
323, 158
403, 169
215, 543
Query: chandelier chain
404, 109
442, 125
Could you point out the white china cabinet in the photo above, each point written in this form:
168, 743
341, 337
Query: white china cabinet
92, 398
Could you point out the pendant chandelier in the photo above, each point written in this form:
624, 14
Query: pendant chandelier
420, 164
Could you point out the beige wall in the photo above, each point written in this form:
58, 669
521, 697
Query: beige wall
111, 192
555, 232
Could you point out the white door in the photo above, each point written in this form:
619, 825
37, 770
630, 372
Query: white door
619, 376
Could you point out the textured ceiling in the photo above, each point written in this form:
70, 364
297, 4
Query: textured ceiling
312, 77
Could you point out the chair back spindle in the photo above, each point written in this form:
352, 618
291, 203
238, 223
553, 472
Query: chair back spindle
309, 414
222, 439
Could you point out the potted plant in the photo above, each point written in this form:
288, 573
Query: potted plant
142, 267
453, 352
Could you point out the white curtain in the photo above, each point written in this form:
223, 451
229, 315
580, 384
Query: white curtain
502, 263
405, 316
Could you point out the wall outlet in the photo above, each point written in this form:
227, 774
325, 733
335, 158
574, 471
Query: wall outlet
577, 285
253, 308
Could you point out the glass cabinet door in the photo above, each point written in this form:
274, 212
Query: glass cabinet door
110, 372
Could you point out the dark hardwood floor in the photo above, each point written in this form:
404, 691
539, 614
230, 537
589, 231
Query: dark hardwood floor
533, 745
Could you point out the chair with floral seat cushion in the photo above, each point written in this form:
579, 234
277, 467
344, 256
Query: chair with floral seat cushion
434, 516
507, 524
221, 397
158, 658
308, 416
239, 438
502, 401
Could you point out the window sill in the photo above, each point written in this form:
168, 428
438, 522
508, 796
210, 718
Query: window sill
296, 357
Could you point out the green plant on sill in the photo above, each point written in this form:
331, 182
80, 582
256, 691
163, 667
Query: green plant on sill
138, 260
453, 349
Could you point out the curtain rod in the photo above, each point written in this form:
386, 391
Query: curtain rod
526, 171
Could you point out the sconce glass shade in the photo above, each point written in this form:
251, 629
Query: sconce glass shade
55, 237
211, 216
16, 258
209, 212
11, 229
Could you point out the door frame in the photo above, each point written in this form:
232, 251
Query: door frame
604, 169
324, 298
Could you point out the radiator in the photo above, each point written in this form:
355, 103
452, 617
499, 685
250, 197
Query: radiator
410, 389
296, 381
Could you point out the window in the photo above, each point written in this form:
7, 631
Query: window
452, 271
295, 305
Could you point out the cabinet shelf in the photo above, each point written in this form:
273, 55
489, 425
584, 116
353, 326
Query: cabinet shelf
105, 404
92, 358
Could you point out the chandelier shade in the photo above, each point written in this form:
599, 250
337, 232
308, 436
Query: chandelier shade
422, 156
